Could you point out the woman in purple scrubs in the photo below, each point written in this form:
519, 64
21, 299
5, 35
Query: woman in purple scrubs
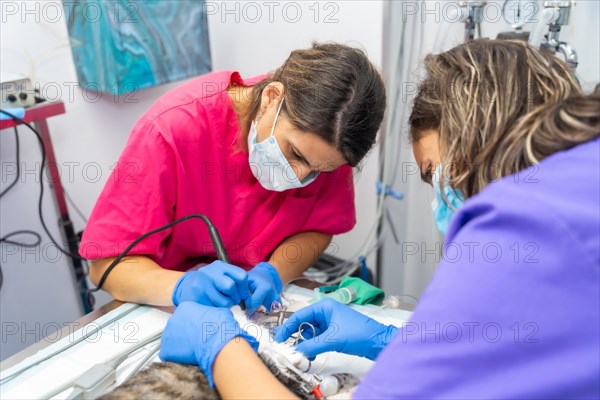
511, 145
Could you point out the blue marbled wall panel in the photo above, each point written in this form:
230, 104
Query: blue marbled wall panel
120, 46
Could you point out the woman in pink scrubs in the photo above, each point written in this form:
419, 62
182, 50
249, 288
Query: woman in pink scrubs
268, 159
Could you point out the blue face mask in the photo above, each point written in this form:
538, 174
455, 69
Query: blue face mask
269, 165
443, 210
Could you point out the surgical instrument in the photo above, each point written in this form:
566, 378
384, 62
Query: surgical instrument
212, 231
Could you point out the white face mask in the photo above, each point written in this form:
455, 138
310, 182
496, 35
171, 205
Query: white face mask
268, 164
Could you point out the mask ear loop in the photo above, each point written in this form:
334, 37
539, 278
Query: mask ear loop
442, 185
276, 116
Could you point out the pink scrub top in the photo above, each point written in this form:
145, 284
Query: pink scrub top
184, 157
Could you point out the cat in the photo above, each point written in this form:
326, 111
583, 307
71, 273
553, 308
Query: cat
165, 381
168, 380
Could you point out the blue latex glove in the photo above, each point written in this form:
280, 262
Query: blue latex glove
218, 284
265, 285
195, 334
338, 328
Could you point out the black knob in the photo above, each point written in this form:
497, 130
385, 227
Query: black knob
11, 98
23, 96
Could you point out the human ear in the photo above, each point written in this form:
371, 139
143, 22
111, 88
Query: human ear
271, 94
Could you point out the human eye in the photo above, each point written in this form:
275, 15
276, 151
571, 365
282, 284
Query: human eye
427, 176
296, 155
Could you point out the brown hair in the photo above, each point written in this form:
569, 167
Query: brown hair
500, 106
331, 90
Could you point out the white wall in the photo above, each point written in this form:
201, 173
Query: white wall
91, 135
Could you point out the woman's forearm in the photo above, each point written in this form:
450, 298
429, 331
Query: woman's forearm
239, 374
296, 253
137, 279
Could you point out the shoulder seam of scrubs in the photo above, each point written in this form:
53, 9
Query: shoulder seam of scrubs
220, 91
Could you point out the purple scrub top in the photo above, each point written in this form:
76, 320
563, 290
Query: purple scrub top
513, 310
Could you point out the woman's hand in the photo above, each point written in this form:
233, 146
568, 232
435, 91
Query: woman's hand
265, 285
195, 334
218, 284
338, 328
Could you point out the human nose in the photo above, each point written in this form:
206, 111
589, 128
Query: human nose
301, 171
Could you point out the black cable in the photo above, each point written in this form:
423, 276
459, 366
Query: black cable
5, 239
38, 238
18, 157
26, 232
212, 230
43, 147
15, 181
